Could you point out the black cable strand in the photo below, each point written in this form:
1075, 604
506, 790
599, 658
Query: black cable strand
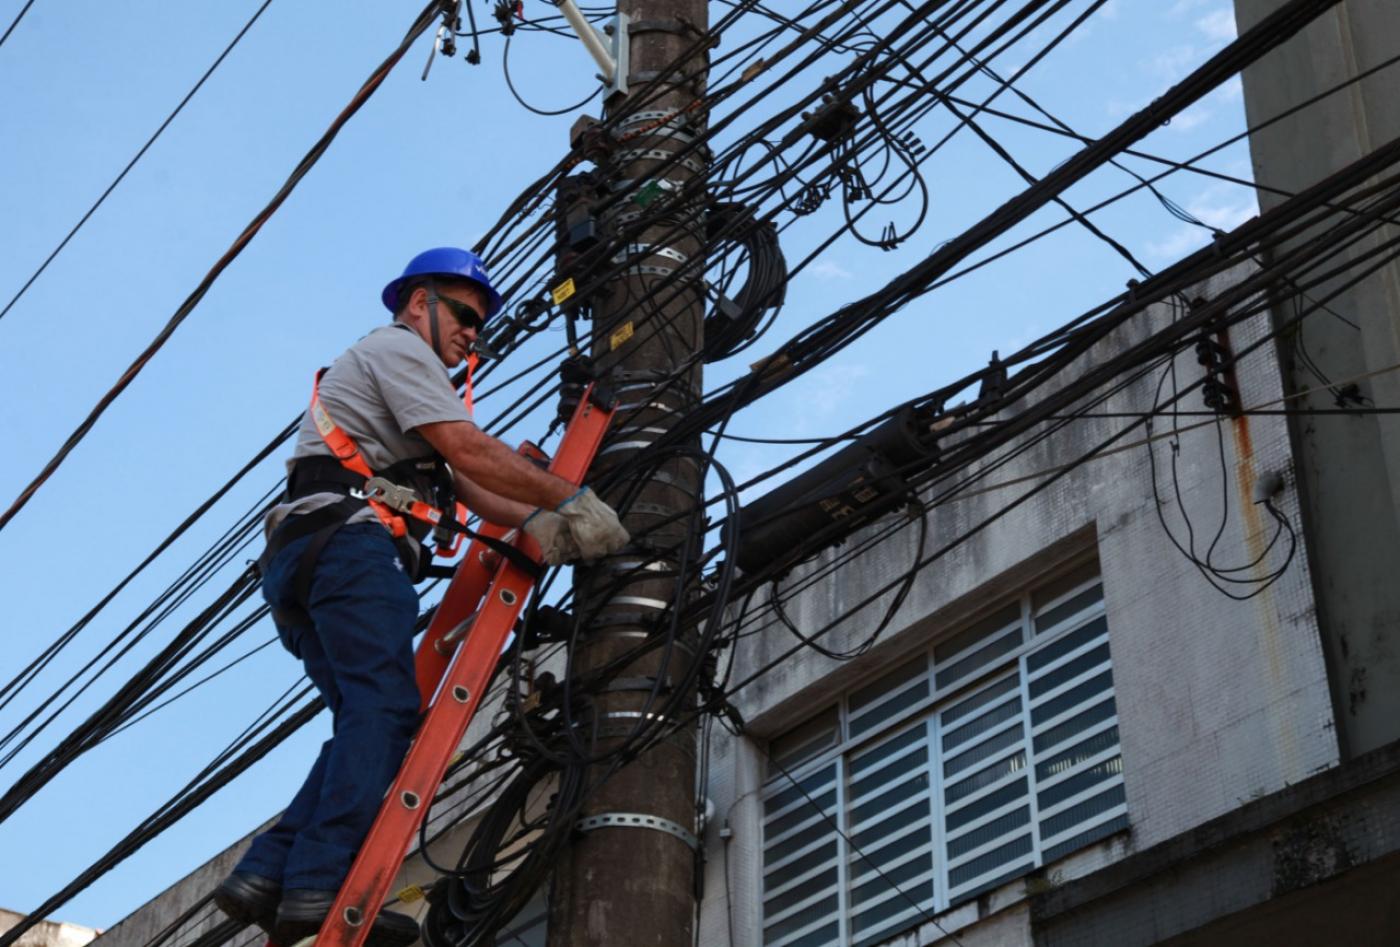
505, 71
15, 22
137, 157
209, 781
424, 20
729, 415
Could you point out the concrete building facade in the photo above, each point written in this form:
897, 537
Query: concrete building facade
1058, 695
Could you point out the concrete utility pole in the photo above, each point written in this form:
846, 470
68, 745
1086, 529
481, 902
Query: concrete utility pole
628, 877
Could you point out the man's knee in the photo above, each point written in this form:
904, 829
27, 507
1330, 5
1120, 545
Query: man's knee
404, 703
390, 701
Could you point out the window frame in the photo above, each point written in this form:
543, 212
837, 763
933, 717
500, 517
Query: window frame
927, 712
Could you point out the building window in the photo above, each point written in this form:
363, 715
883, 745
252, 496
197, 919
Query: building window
989, 755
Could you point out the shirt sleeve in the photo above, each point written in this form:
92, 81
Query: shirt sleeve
414, 383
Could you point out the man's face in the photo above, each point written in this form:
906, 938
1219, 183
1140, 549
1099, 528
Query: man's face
456, 335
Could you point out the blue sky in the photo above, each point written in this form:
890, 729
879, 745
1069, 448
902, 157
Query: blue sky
424, 164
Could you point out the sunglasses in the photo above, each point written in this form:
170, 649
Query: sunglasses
465, 313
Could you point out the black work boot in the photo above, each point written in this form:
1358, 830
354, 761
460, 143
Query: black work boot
303, 910
249, 898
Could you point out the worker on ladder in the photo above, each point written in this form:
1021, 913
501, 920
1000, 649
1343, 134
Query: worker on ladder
341, 559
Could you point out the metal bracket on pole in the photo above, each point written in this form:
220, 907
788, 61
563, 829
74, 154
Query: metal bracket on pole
638, 820
610, 52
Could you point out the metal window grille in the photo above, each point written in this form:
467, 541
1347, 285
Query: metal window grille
991, 754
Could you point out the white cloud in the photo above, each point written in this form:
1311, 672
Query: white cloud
1182, 7
1221, 208
1171, 64
1231, 90
829, 390
1190, 118
1240, 168
1226, 216
828, 269
1218, 25
1118, 108
1178, 243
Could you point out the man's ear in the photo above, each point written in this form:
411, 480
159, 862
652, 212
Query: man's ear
417, 298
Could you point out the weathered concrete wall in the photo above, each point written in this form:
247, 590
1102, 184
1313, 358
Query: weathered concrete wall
1350, 470
147, 922
48, 933
1219, 701
1315, 863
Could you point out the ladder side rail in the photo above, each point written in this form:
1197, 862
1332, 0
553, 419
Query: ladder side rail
462, 598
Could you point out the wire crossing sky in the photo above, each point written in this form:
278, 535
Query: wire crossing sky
956, 215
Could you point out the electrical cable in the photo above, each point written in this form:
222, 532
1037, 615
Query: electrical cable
15, 22
424, 20
31, 670
235, 759
505, 71
817, 348
137, 157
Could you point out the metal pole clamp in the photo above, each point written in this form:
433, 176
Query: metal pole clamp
638, 820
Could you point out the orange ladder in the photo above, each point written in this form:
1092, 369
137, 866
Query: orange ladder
452, 686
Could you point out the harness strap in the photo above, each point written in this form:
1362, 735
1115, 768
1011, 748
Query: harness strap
517, 558
342, 445
346, 451
320, 475
321, 525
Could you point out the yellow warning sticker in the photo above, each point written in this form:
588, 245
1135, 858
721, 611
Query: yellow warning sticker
563, 291
410, 894
621, 335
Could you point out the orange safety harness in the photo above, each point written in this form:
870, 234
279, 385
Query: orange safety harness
345, 450
390, 502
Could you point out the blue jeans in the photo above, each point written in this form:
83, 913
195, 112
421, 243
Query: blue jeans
358, 651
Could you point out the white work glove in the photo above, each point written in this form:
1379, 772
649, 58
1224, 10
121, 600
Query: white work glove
551, 531
595, 526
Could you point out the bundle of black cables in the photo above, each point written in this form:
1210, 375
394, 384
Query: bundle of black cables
512, 849
732, 325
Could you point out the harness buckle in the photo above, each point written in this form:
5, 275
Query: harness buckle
391, 494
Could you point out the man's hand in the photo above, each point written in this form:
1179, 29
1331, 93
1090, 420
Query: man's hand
551, 531
595, 527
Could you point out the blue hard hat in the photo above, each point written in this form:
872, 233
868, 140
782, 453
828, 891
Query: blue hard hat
445, 261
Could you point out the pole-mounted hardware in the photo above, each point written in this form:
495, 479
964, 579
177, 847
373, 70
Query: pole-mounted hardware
638, 820
445, 42
609, 47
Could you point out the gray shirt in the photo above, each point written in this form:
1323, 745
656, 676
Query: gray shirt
383, 387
